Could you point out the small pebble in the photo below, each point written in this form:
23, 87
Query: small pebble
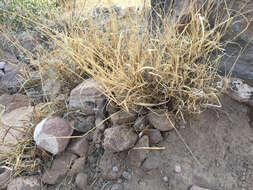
115, 169
165, 178
178, 168
117, 187
126, 175
119, 181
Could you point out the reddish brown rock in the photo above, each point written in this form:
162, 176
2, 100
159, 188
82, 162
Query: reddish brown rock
79, 147
160, 121
119, 138
48, 134
111, 166
86, 97
136, 157
12, 102
26, 183
59, 168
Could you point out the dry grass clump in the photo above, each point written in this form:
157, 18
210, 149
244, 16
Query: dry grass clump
172, 70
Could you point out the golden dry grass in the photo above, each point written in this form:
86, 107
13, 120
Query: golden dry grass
172, 71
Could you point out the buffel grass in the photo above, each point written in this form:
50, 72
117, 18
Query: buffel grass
173, 69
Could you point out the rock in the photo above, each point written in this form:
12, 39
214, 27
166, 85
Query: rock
59, 168
79, 147
12, 102
154, 135
136, 157
81, 181
27, 183
13, 127
160, 122
12, 81
5, 175
27, 40
111, 166
140, 123
178, 168
84, 123
111, 108
123, 118
195, 187
165, 179
51, 88
119, 138
78, 166
117, 187
240, 91
86, 97
18, 117
48, 132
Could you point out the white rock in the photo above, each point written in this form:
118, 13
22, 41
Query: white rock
48, 134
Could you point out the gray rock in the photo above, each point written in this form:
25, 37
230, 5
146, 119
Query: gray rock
160, 121
123, 118
59, 168
48, 133
86, 97
78, 166
136, 157
240, 91
119, 138
81, 181
51, 88
154, 135
108, 163
27, 183
84, 123
140, 123
13, 127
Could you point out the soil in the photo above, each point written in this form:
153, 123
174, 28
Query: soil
221, 158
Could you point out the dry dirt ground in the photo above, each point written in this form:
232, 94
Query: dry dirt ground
221, 141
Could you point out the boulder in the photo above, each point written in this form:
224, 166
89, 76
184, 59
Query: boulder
48, 133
